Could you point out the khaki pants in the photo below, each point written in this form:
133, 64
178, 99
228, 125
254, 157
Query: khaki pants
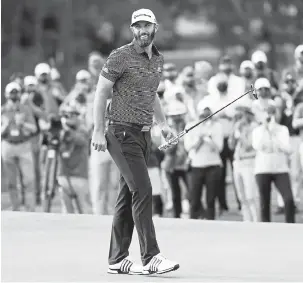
104, 183
247, 189
80, 187
295, 171
18, 157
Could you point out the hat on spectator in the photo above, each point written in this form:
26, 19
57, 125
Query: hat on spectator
258, 56
298, 51
262, 83
30, 80
247, 64
83, 75
175, 108
145, 15
202, 106
12, 86
42, 68
55, 75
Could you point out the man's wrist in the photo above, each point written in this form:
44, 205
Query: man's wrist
162, 125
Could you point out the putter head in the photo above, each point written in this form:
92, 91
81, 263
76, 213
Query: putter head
254, 92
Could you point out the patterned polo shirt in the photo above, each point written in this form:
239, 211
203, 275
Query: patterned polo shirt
136, 79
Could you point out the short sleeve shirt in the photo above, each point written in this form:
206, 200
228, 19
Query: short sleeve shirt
136, 79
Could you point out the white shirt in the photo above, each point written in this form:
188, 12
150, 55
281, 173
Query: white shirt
272, 145
209, 153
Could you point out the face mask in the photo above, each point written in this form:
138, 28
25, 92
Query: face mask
222, 87
14, 98
248, 75
260, 66
44, 81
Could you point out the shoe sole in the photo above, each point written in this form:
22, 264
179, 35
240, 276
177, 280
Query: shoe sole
175, 267
118, 271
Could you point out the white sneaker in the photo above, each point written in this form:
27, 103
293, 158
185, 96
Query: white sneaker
159, 265
125, 266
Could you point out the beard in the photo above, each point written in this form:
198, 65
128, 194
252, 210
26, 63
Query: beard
144, 42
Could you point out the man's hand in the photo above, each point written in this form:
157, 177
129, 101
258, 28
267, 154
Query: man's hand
168, 134
99, 141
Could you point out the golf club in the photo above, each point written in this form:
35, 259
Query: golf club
185, 131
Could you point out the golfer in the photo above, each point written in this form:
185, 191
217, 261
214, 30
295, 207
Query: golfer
132, 74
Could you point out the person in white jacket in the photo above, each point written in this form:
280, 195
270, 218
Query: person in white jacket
272, 144
204, 144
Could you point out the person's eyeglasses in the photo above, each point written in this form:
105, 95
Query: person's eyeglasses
264, 88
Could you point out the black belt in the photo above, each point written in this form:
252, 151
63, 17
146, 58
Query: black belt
142, 128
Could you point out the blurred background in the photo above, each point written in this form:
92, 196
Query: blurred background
63, 32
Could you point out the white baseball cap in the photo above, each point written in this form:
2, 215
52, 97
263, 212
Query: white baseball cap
247, 64
83, 75
175, 107
145, 15
298, 51
30, 80
258, 56
55, 75
12, 86
42, 68
262, 82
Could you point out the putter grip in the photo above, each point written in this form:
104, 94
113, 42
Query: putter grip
165, 145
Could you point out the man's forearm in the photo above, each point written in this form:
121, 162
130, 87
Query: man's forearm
100, 103
159, 113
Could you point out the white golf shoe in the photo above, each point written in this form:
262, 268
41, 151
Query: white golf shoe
125, 266
159, 265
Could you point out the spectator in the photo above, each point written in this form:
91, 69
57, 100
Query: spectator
56, 79
297, 124
204, 145
95, 64
51, 96
174, 163
284, 117
170, 75
187, 91
243, 165
217, 100
259, 107
246, 71
73, 162
262, 70
34, 100
18, 77
235, 84
271, 142
17, 126
290, 91
297, 69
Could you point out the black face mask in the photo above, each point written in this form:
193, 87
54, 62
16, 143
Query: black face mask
248, 75
222, 87
260, 66
44, 81
14, 98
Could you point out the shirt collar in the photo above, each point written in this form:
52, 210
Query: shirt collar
140, 50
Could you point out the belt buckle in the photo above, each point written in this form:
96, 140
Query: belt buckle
145, 128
